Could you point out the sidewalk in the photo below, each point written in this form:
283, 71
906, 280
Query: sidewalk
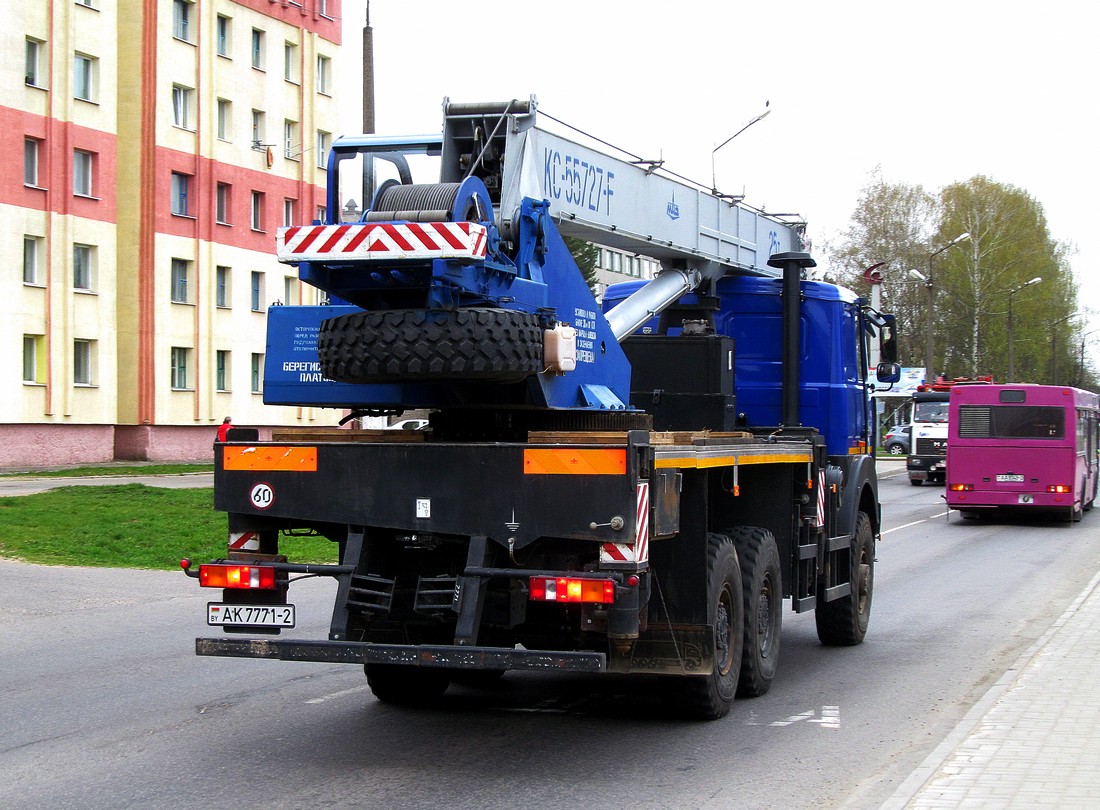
1033, 740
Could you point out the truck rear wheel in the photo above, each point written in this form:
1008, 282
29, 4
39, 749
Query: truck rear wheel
480, 344
843, 622
406, 686
762, 578
710, 697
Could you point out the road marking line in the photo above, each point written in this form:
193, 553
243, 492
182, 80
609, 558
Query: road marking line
916, 522
339, 694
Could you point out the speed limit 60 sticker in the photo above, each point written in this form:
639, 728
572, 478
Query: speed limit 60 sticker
262, 496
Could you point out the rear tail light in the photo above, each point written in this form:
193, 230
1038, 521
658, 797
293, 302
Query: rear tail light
258, 577
568, 589
962, 487
1060, 489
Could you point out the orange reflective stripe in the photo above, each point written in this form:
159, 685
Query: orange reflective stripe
574, 461
294, 459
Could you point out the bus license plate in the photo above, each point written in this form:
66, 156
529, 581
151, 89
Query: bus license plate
1010, 478
220, 614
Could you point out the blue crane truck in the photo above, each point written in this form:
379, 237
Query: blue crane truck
633, 487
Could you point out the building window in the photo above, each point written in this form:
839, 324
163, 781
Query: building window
221, 379
83, 269
181, 20
257, 211
181, 368
324, 75
258, 120
221, 204
180, 272
32, 248
182, 105
221, 288
290, 62
181, 186
30, 162
222, 35
257, 373
324, 141
84, 77
225, 130
292, 295
257, 292
322, 212
82, 173
322, 7
82, 362
34, 359
257, 49
291, 145
34, 63
288, 212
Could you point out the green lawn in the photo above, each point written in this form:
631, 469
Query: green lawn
127, 526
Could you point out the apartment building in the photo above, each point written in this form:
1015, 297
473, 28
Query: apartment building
163, 144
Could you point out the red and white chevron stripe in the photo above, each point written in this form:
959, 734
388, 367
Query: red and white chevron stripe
638, 551
373, 241
821, 497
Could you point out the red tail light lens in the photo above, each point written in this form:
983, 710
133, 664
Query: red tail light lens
568, 589
962, 487
258, 577
1060, 489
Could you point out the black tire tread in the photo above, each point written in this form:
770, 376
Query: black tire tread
472, 343
759, 554
839, 622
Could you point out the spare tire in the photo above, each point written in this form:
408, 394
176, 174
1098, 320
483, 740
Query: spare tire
478, 344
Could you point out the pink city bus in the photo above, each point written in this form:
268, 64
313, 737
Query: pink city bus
1022, 448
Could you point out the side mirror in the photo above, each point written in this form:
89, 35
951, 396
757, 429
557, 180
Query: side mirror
888, 372
888, 341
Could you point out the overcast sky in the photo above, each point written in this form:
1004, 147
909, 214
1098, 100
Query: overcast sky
932, 92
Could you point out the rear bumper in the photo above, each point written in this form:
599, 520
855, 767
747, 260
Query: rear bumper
450, 657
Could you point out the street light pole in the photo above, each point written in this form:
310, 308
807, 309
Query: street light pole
1011, 353
929, 362
713, 173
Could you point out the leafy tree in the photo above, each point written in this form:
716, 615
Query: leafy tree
892, 223
1010, 245
586, 255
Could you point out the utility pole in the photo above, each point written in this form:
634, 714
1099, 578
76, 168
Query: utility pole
368, 77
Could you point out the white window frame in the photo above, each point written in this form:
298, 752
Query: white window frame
83, 362
34, 349
290, 140
223, 359
32, 150
83, 173
84, 77
324, 143
257, 291
223, 198
84, 267
291, 68
223, 35
290, 206
324, 75
256, 211
180, 369
257, 373
181, 19
179, 290
32, 251
182, 106
181, 192
257, 45
225, 119
223, 278
33, 66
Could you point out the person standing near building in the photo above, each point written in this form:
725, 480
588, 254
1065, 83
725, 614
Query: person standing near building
223, 430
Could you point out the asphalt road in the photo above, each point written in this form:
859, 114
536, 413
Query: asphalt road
104, 705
